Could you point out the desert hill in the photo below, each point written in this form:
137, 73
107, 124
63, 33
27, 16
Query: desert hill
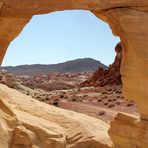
73, 66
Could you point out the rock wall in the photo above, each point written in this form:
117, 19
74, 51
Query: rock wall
111, 76
128, 19
128, 131
130, 25
28, 123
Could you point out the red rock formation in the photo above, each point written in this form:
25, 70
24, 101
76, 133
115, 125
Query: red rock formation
110, 76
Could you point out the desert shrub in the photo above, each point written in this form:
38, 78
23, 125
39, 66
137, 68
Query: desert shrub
74, 99
111, 105
101, 113
129, 104
104, 92
118, 92
56, 104
109, 100
61, 96
79, 89
118, 103
114, 99
47, 98
99, 100
122, 97
110, 89
105, 104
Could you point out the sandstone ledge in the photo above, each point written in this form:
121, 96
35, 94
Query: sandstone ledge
28, 123
129, 131
128, 19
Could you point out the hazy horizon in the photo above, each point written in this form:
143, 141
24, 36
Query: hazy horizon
62, 36
55, 63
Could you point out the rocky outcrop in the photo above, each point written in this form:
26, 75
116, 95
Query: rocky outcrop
110, 76
128, 131
13, 82
127, 19
28, 123
54, 81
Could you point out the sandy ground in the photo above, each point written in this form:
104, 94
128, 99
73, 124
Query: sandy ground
102, 102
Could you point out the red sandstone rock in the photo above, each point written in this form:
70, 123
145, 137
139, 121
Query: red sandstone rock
110, 76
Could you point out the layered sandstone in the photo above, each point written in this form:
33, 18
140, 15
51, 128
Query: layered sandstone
128, 131
28, 123
130, 25
127, 19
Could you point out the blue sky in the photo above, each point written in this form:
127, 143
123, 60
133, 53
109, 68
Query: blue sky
62, 36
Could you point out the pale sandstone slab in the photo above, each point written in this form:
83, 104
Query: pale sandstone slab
128, 19
129, 131
30, 123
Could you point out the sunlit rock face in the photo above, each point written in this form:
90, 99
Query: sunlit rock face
128, 19
110, 76
129, 131
28, 123
131, 26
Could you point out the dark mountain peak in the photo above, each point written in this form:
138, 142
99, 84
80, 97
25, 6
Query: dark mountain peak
72, 66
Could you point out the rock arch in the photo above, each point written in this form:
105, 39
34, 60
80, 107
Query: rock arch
128, 19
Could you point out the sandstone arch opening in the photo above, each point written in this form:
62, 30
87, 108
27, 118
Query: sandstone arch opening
119, 15
125, 19
73, 35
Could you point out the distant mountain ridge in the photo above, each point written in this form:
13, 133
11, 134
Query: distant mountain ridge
73, 66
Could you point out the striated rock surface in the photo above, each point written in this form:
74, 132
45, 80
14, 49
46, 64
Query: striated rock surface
129, 131
128, 19
28, 123
110, 76
130, 25
11, 81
